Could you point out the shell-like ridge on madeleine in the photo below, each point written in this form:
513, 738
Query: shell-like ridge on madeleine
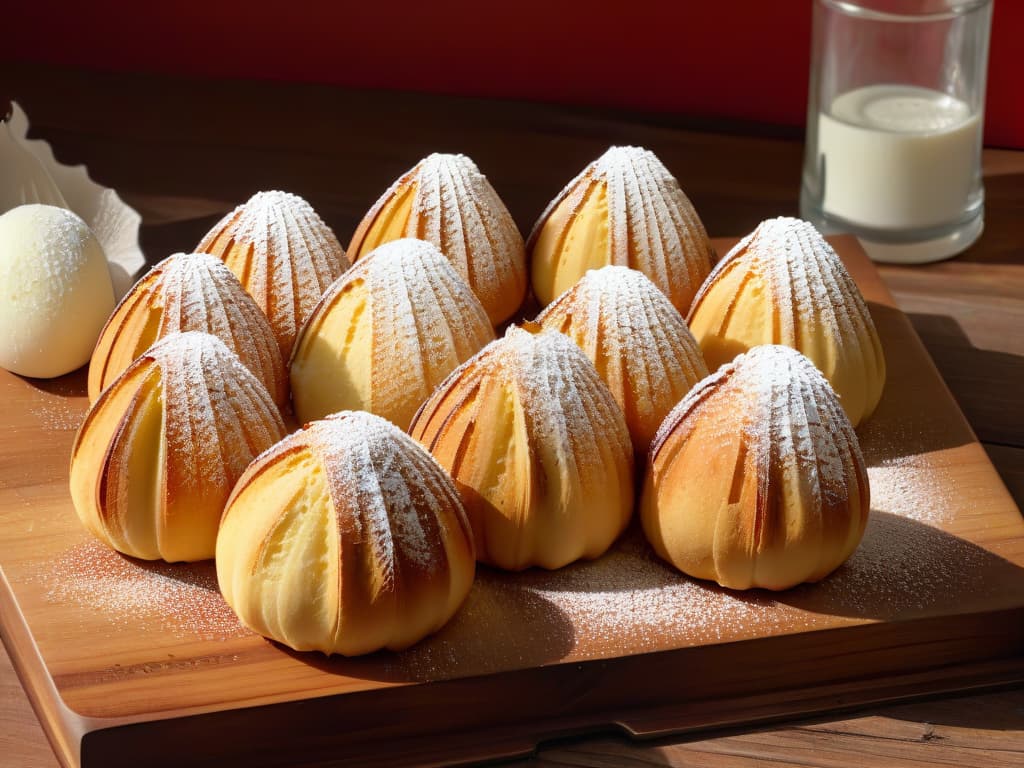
159, 452
385, 334
756, 478
446, 201
188, 292
636, 339
346, 537
784, 284
624, 209
284, 255
538, 449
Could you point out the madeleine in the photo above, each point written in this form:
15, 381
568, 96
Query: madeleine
636, 339
188, 292
283, 254
625, 209
346, 537
538, 448
784, 284
385, 334
159, 452
756, 478
446, 201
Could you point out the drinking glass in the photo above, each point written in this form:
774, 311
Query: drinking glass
894, 125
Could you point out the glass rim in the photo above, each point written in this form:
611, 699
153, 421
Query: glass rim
857, 9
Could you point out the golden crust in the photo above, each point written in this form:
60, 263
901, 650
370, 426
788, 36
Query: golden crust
624, 209
346, 537
784, 284
756, 478
284, 255
446, 201
188, 292
159, 452
636, 339
538, 449
385, 334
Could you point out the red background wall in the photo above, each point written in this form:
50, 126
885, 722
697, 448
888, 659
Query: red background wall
743, 59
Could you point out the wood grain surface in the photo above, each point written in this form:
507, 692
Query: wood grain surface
341, 149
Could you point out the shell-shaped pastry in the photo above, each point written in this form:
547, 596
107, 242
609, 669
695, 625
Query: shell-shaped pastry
159, 452
346, 537
188, 292
446, 201
624, 209
385, 334
284, 255
756, 478
538, 449
784, 284
636, 339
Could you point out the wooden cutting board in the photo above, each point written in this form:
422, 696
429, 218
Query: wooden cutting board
129, 662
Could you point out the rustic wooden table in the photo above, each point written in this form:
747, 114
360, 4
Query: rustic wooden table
182, 152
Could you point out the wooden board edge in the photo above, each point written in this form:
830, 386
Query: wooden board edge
508, 714
63, 728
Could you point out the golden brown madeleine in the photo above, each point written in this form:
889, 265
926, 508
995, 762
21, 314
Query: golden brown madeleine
446, 201
538, 448
345, 537
284, 255
159, 452
784, 284
756, 478
188, 292
626, 210
636, 339
385, 334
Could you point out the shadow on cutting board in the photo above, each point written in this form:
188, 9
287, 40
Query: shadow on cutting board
498, 628
916, 414
905, 569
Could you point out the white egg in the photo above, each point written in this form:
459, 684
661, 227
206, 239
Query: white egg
55, 291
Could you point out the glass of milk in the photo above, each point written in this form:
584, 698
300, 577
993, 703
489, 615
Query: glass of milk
894, 125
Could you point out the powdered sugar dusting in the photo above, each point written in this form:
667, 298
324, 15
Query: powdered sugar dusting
456, 209
397, 495
653, 227
914, 488
567, 405
58, 414
787, 411
637, 340
630, 598
181, 599
63, 244
284, 255
196, 292
425, 319
795, 283
218, 415
902, 568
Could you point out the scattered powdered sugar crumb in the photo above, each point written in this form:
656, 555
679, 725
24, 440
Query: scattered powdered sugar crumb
911, 487
903, 568
58, 414
181, 598
629, 599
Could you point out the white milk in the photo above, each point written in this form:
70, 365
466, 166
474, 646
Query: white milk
898, 157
